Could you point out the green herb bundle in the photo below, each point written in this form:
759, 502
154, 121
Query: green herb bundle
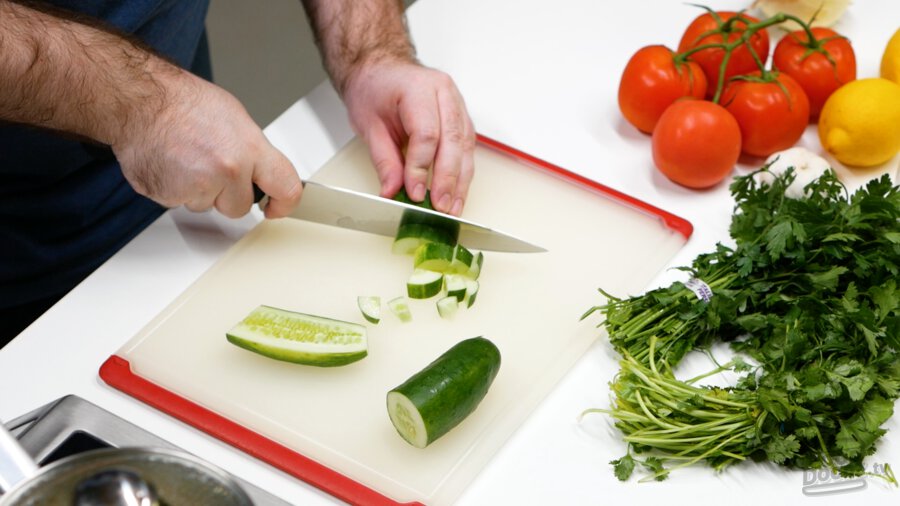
808, 292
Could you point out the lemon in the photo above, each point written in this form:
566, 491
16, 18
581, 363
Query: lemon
826, 12
890, 60
860, 122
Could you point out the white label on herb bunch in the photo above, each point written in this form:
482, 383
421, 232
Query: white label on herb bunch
700, 289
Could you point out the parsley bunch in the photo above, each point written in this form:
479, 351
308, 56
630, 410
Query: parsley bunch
808, 293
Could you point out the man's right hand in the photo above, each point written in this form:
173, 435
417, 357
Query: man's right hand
202, 150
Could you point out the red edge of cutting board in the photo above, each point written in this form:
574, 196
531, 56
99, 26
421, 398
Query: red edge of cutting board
116, 372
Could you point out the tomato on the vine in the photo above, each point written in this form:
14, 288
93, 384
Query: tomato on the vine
820, 66
696, 143
772, 115
652, 80
724, 27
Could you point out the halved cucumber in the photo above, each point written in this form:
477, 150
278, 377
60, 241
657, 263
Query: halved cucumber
412, 235
446, 225
440, 396
300, 338
423, 284
448, 306
433, 257
400, 307
370, 307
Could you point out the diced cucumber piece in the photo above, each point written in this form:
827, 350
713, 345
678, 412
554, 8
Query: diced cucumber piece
400, 307
433, 257
455, 285
370, 306
436, 399
462, 259
411, 236
475, 268
423, 284
447, 306
300, 338
471, 291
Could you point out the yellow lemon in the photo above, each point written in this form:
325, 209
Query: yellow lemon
860, 122
890, 60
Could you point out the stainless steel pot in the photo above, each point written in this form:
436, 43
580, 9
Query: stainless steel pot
110, 476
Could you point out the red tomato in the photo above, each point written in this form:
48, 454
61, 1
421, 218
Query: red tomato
652, 80
772, 116
696, 143
808, 63
741, 61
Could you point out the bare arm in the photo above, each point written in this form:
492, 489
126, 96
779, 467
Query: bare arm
179, 139
413, 118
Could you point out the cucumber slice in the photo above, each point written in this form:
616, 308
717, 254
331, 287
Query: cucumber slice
412, 235
440, 396
462, 259
300, 338
423, 284
370, 306
400, 307
448, 306
455, 285
433, 256
471, 291
446, 225
475, 267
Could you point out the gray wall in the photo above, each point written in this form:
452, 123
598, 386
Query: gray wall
263, 53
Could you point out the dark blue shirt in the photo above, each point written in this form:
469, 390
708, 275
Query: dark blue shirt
65, 206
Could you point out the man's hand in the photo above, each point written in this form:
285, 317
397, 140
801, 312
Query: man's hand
180, 140
202, 150
397, 105
412, 117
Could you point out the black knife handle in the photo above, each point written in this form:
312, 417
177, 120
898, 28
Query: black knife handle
258, 194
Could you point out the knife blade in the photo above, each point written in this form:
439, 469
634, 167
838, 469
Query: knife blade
340, 207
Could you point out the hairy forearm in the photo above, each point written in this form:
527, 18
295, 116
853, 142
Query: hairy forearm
353, 33
65, 75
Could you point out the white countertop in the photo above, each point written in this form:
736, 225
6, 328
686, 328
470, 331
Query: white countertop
540, 76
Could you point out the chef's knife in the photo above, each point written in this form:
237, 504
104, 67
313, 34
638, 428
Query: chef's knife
345, 208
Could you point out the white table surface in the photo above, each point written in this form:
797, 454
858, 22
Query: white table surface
540, 76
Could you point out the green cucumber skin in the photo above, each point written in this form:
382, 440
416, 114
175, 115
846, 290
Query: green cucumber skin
335, 360
449, 389
446, 226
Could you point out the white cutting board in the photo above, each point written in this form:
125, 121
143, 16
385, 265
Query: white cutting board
529, 305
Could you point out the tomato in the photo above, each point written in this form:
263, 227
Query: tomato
741, 61
809, 65
696, 143
652, 80
772, 115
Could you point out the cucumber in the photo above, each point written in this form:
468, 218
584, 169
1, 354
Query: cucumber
471, 291
423, 284
462, 260
436, 399
412, 235
445, 225
400, 307
448, 306
456, 286
300, 338
475, 267
370, 307
433, 256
